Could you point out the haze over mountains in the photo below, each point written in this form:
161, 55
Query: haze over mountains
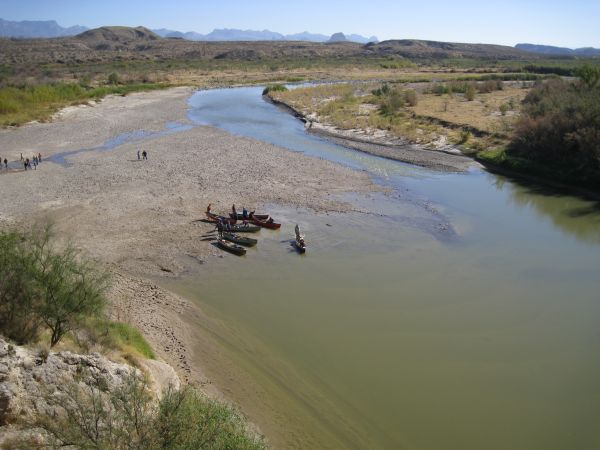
559, 51
231, 34
37, 29
51, 29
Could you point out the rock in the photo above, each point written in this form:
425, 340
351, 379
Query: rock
25, 377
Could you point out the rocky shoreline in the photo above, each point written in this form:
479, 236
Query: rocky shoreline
446, 158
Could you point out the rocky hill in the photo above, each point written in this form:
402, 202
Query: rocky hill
106, 38
124, 43
411, 48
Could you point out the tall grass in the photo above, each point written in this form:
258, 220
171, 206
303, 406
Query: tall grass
19, 105
129, 337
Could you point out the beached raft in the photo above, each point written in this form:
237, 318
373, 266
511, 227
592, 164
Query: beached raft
244, 228
249, 216
231, 247
266, 224
241, 240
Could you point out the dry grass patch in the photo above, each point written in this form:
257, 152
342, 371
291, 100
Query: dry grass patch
492, 112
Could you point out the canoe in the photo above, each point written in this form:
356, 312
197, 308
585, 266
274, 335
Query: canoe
266, 224
240, 216
241, 228
300, 245
231, 247
215, 218
232, 237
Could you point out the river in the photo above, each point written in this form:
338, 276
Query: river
464, 313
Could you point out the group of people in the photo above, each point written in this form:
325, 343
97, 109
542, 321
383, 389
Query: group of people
27, 163
245, 213
223, 225
144, 155
35, 160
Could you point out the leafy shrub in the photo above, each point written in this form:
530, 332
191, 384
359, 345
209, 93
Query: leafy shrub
470, 93
559, 129
93, 416
465, 136
113, 78
18, 320
43, 286
274, 88
411, 97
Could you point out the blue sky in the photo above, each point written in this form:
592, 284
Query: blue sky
574, 23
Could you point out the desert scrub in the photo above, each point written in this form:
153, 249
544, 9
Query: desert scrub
92, 416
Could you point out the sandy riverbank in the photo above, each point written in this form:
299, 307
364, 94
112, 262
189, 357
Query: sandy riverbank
139, 217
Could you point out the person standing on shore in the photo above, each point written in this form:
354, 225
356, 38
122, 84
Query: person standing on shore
139, 155
39, 157
21, 156
5, 163
144, 154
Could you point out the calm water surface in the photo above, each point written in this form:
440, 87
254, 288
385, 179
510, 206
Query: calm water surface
465, 314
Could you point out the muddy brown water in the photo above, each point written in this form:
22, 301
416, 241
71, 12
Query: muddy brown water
463, 313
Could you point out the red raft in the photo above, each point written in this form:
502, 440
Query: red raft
266, 223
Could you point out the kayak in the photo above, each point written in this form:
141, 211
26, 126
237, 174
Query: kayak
241, 228
232, 237
240, 216
231, 247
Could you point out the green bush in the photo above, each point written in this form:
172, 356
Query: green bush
465, 136
470, 93
274, 88
113, 78
43, 286
18, 298
411, 97
559, 131
93, 416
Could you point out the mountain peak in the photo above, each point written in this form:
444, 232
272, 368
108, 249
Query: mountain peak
338, 37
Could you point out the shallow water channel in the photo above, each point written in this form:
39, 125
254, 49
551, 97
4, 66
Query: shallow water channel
463, 314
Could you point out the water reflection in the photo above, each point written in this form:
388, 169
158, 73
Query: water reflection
574, 216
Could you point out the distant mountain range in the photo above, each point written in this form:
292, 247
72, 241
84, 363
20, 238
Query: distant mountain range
558, 51
37, 29
50, 29
232, 34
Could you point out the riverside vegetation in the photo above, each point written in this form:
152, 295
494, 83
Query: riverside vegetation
546, 128
52, 295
